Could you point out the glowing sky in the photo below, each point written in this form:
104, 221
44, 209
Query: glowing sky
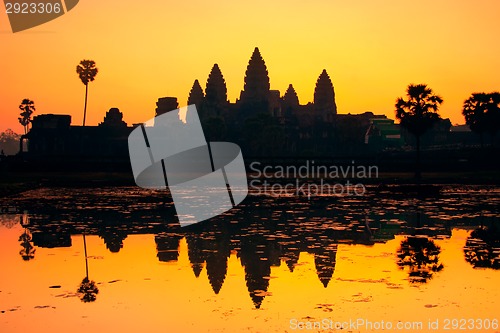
372, 50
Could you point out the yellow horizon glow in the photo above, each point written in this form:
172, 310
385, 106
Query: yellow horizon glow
372, 50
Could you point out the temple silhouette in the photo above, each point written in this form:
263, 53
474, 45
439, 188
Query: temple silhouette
264, 122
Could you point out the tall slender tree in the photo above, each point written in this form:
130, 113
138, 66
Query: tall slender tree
87, 290
418, 113
27, 108
87, 71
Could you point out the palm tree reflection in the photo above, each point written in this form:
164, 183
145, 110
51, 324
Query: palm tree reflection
28, 250
87, 290
420, 255
482, 248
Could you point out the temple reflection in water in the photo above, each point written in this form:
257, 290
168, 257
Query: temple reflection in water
266, 232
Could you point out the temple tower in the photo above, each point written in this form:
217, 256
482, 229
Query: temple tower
166, 104
290, 98
215, 93
256, 91
324, 97
196, 95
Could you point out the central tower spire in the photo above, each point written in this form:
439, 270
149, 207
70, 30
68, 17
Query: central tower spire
255, 93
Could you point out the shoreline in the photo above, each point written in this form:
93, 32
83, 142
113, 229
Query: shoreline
13, 183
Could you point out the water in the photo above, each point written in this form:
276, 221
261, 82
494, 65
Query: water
270, 265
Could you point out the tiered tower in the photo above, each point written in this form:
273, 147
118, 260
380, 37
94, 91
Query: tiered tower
290, 98
256, 90
324, 97
113, 118
196, 95
215, 93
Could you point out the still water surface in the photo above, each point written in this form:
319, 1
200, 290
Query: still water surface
271, 265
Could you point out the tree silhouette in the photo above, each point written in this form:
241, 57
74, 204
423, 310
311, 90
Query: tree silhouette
482, 247
86, 71
28, 250
482, 113
88, 290
494, 113
418, 113
9, 142
27, 108
421, 256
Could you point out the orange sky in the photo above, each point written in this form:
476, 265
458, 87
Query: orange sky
372, 50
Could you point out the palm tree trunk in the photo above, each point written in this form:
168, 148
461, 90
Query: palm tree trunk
417, 165
86, 260
85, 107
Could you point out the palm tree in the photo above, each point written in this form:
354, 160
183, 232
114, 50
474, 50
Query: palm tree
494, 114
418, 113
28, 250
88, 290
27, 108
481, 248
475, 113
421, 256
86, 71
